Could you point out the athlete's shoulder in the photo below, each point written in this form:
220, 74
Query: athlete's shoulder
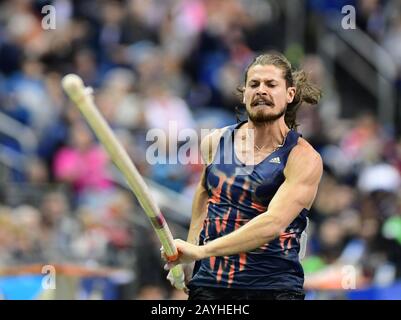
304, 150
304, 159
210, 142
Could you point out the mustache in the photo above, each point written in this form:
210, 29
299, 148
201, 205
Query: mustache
264, 100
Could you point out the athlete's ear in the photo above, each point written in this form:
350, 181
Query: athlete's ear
243, 99
291, 94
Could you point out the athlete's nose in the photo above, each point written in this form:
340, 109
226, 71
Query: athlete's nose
261, 90
261, 93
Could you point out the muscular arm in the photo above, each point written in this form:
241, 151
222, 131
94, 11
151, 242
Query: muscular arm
199, 206
303, 173
199, 210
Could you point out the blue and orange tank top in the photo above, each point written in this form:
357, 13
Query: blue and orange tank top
238, 193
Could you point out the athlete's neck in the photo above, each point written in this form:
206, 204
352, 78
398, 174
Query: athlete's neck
268, 135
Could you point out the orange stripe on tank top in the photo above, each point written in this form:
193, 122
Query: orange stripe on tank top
217, 223
258, 207
283, 237
242, 261
212, 262
231, 275
225, 219
222, 266
230, 181
219, 273
217, 191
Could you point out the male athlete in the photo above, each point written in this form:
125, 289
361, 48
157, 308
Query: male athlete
251, 205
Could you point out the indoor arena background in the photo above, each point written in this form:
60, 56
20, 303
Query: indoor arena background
150, 62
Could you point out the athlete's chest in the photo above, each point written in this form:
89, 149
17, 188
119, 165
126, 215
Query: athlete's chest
234, 183
245, 152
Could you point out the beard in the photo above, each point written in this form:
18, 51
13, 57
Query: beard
260, 116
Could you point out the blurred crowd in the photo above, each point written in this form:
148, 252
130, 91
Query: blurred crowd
151, 62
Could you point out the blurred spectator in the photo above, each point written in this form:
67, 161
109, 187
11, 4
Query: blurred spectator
26, 247
59, 227
83, 164
163, 110
170, 65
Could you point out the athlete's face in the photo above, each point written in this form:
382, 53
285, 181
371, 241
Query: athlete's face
266, 94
